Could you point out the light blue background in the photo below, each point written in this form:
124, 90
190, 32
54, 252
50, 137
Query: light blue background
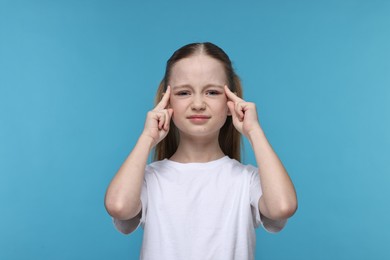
77, 78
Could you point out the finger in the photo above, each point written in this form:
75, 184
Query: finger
239, 107
164, 116
230, 105
164, 101
168, 118
231, 96
233, 110
161, 118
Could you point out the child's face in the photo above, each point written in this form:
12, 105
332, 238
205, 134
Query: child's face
198, 97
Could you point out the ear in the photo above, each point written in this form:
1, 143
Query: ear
228, 111
230, 105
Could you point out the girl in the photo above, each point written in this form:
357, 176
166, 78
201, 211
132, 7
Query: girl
197, 201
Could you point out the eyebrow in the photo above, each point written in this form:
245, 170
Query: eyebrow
206, 86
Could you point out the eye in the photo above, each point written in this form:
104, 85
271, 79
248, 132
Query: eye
212, 92
182, 93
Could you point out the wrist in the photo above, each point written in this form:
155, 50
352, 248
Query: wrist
147, 141
255, 134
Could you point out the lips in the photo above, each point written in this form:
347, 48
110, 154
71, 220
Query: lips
198, 117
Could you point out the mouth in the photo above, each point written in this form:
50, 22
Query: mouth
199, 117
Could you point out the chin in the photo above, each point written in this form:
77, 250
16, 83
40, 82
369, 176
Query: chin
199, 131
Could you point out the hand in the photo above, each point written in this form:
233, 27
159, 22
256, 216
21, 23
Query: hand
158, 119
244, 114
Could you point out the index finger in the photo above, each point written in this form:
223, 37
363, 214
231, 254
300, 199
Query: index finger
165, 100
233, 97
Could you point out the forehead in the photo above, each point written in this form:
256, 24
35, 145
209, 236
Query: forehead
198, 69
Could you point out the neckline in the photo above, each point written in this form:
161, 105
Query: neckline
198, 164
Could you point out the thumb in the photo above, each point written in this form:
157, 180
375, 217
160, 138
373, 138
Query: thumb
168, 120
170, 112
230, 105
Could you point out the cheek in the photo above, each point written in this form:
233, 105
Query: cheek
172, 103
222, 111
177, 106
223, 107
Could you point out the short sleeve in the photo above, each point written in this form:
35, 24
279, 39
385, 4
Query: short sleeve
272, 226
123, 225
144, 197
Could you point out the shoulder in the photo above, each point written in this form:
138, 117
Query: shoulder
156, 166
239, 167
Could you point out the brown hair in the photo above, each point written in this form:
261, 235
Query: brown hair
229, 138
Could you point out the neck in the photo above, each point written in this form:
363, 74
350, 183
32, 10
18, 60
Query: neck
197, 149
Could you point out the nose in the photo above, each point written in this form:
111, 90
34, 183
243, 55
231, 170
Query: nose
198, 103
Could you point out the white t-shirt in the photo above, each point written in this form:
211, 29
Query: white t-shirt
201, 211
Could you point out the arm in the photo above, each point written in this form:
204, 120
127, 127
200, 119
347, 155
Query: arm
129, 225
279, 198
122, 199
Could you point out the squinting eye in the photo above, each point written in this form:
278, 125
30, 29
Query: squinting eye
213, 92
182, 93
